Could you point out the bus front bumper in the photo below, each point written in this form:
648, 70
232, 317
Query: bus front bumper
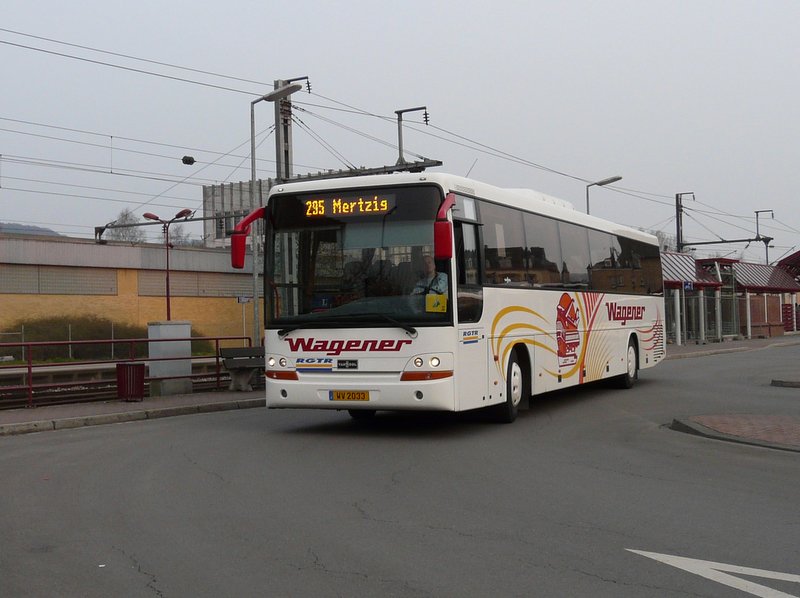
373, 392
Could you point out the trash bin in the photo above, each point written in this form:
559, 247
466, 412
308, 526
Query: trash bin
130, 381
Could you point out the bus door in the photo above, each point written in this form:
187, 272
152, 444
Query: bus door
471, 367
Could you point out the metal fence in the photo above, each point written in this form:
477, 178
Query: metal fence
700, 318
61, 333
31, 381
705, 318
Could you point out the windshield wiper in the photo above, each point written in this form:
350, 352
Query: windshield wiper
407, 327
334, 320
311, 324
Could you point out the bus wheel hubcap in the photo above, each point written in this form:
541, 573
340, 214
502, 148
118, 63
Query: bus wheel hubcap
631, 361
515, 383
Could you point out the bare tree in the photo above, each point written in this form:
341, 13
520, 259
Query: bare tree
666, 242
179, 236
132, 234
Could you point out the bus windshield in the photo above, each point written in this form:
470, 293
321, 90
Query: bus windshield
358, 257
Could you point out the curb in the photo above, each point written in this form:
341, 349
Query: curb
690, 427
786, 383
709, 352
128, 416
721, 350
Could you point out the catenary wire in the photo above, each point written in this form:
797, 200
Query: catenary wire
325, 145
128, 68
91, 197
62, 184
135, 140
499, 153
120, 55
96, 169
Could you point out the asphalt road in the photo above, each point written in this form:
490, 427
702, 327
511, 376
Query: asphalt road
306, 503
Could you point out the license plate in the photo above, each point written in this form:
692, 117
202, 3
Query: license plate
348, 395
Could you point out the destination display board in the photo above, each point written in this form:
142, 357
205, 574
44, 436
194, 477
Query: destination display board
349, 205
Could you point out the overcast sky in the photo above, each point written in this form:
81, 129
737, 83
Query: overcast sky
675, 96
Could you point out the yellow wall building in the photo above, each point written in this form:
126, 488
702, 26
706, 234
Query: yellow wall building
54, 276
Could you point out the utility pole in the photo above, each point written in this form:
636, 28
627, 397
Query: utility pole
283, 131
401, 161
283, 135
679, 218
767, 240
679, 226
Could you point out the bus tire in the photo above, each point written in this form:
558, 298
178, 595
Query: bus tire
361, 414
628, 379
516, 390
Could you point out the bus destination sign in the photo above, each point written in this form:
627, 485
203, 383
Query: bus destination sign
353, 205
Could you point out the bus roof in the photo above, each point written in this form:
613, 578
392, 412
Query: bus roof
524, 199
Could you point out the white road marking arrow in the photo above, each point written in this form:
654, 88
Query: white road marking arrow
719, 572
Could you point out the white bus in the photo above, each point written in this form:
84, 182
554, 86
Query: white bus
528, 296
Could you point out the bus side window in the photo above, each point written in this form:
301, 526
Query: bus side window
470, 292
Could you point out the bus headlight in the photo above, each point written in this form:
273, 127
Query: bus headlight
282, 362
435, 362
418, 362
271, 362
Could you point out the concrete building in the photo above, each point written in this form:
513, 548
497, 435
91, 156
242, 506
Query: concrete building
225, 205
56, 276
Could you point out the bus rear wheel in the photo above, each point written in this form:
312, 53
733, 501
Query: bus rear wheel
628, 379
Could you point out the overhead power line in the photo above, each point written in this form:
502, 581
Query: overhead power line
91, 188
749, 218
454, 138
97, 169
351, 129
129, 68
128, 56
75, 195
473, 144
127, 150
325, 145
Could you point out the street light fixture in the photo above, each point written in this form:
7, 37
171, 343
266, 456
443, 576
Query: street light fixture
184, 213
280, 92
607, 181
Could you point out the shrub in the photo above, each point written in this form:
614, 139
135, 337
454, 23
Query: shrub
88, 328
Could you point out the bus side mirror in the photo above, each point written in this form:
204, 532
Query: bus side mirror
442, 240
239, 237
238, 244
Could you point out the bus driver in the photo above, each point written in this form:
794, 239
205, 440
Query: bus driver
432, 282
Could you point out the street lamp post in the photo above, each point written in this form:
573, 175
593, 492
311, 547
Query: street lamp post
185, 213
280, 92
766, 239
607, 181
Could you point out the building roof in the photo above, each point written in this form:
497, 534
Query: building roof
791, 263
680, 268
760, 278
69, 251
